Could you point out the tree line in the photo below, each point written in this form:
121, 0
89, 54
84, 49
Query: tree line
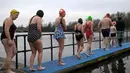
50, 27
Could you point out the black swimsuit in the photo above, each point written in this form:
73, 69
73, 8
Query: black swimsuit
12, 30
78, 34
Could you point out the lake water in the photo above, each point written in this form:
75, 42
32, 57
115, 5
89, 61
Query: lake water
120, 64
68, 51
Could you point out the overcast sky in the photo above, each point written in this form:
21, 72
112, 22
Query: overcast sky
74, 9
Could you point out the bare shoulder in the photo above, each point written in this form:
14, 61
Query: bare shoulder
109, 19
37, 18
92, 22
63, 19
57, 19
81, 26
8, 20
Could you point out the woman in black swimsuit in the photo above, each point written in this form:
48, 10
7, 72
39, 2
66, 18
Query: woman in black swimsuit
79, 34
7, 38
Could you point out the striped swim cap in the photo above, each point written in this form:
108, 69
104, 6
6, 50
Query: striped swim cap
13, 11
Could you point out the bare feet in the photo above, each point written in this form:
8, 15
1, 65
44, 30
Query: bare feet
87, 54
41, 68
32, 69
106, 49
61, 63
78, 56
9, 71
91, 53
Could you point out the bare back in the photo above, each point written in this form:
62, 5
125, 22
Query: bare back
79, 27
105, 23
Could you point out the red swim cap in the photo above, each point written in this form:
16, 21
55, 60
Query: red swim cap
61, 11
107, 15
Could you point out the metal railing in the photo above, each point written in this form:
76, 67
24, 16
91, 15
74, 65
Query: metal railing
51, 46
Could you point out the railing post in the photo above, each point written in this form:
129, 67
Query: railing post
73, 43
127, 36
99, 40
51, 47
16, 42
25, 65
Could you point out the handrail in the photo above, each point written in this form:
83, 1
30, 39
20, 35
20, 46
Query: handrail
51, 46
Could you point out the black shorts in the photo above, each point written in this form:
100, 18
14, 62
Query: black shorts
113, 34
105, 32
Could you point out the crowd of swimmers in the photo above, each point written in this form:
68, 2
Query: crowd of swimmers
108, 28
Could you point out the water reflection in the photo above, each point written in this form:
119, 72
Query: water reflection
121, 67
113, 65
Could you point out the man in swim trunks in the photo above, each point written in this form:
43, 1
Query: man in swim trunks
104, 25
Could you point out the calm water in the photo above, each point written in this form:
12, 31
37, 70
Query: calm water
120, 64
68, 51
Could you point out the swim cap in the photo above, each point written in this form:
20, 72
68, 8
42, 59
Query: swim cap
90, 18
61, 11
13, 11
40, 13
80, 21
107, 15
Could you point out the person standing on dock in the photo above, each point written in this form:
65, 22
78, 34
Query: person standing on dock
104, 25
59, 35
88, 29
79, 34
7, 38
34, 35
120, 30
113, 33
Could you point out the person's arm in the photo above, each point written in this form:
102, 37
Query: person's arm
115, 30
82, 30
64, 24
84, 27
110, 21
57, 21
99, 26
75, 26
8, 23
39, 24
92, 28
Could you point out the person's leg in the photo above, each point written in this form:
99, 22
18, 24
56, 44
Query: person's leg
120, 38
81, 45
122, 35
38, 46
88, 46
111, 41
90, 43
114, 41
105, 42
78, 49
107, 38
104, 38
119, 41
61, 47
14, 49
9, 54
32, 56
